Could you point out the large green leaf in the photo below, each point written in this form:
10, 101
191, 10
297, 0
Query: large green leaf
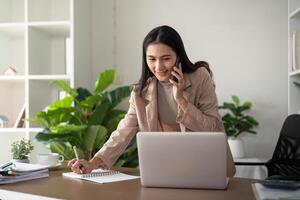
117, 95
236, 100
99, 114
65, 150
83, 93
59, 115
230, 106
113, 122
42, 136
91, 101
41, 118
115, 113
73, 138
67, 128
63, 103
92, 138
121, 162
64, 86
105, 79
101, 138
130, 156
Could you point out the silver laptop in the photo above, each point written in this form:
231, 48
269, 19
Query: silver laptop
182, 159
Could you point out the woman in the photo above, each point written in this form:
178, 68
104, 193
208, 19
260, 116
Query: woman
173, 94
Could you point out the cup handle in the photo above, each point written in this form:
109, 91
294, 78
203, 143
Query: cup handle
61, 158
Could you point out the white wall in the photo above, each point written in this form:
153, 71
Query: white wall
244, 41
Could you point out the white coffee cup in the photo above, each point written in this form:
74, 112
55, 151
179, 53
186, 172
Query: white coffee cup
50, 159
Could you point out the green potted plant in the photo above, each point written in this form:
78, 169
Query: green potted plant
20, 150
85, 119
237, 122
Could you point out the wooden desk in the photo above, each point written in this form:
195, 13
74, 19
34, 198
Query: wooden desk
65, 188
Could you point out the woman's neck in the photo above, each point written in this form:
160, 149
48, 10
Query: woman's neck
165, 83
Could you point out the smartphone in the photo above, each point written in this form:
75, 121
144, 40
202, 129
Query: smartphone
176, 65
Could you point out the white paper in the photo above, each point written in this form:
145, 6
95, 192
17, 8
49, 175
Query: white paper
114, 177
25, 167
24, 172
10, 195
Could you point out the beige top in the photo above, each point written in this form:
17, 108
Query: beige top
201, 114
167, 107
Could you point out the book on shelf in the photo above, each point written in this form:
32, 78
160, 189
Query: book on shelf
295, 51
101, 176
68, 55
23, 172
20, 118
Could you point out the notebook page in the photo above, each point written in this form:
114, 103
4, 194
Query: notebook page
80, 176
111, 178
101, 176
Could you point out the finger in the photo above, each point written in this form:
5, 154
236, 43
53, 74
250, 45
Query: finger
173, 82
75, 169
71, 162
177, 76
79, 163
178, 70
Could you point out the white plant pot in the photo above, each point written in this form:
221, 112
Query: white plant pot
236, 147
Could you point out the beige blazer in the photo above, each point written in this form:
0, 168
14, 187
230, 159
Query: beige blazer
200, 115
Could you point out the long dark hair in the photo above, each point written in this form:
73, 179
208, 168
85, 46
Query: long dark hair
168, 36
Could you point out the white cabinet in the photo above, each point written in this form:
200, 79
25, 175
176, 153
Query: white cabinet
37, 40
294, 57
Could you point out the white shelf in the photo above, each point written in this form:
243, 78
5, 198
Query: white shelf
56, 28
33, 40
295, 14
37, 38
16, 78
293, 76
41, 94
13, 29
13, 97
35, 130
12, 130
295, 73
49, 77
48, 48
12, 48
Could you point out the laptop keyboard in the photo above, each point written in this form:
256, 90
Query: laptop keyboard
280, 184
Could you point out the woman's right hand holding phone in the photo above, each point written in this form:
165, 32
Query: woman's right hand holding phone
179, 86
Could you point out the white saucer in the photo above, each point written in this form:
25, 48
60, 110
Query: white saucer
54, 166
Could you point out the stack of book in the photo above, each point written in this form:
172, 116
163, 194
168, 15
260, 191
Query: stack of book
22, 172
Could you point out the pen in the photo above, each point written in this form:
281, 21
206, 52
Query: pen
77, 157
6, 165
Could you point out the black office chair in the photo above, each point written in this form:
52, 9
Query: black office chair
285, 162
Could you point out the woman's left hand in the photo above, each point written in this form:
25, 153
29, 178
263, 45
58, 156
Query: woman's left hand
178, 87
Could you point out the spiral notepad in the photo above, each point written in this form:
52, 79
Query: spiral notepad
101, 173
101, 176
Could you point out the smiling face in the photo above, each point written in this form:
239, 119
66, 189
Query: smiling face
160, 60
